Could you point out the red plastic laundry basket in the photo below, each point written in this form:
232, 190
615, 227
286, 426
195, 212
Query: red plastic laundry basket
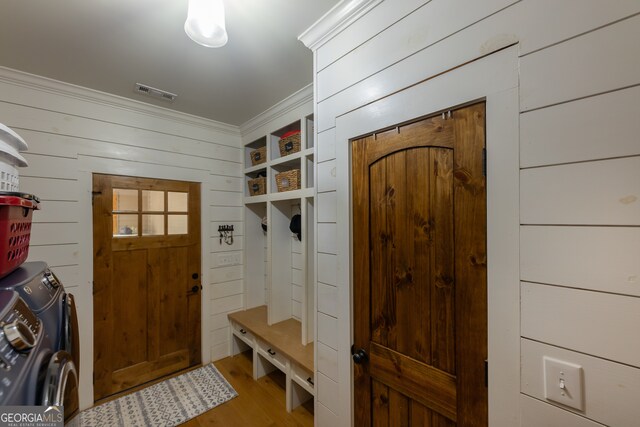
15, 229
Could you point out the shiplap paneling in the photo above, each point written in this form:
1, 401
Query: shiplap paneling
296, 310
296, 277
593, 193
296, 258
90, 129
54, 234
327, 392
219, 320
327, 361
50, 188
50, 95
326, 176
536, 413
327, 299
226, 198
327, 327
297, 293
554, 315
225, 213
226, 304
327, 207
582, 66
219, 351
489, 35
598, 258
324, 416
611, 389
566, 19
326, 145
424, 27
226, 274
50, 166
593, 128
226, 183
327, 233
327, 267
50, 143
57, 211
55, 254
365, 28
221, 290
69, 275
219, 335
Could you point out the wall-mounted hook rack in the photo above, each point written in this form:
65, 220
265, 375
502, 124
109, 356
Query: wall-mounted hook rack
226, 234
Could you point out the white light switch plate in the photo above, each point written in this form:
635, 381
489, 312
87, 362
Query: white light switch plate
563, 383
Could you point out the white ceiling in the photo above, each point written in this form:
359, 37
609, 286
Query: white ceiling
110, 45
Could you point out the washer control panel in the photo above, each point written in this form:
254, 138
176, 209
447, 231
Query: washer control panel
36, 283
20, 332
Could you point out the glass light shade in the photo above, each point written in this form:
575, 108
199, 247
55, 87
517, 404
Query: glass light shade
205, 23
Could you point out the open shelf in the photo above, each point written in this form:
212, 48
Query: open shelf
279, 268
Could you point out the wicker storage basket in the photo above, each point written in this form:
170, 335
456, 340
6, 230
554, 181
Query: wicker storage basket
258, 156
289, 143
257, 186
289, 180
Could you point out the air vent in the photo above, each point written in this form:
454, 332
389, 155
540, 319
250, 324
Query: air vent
155, 93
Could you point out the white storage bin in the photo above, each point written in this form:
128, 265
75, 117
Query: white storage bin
10, 145
13, 139
9, 180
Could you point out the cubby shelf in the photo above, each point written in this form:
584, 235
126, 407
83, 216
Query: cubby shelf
279, 268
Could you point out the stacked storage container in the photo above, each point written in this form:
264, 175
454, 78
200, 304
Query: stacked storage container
15, 208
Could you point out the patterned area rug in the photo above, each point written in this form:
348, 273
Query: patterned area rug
168, 403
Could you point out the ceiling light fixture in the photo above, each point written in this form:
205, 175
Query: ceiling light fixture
205, 23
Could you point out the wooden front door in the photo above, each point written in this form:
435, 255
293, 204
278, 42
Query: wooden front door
420, 301
146, 292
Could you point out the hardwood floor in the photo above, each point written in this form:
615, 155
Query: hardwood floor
258, 404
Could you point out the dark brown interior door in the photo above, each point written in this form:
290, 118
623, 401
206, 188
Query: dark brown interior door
420, 302
146, 294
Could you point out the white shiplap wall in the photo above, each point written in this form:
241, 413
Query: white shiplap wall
73, 132
577, 127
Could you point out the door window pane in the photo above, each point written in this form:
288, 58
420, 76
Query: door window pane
125, 200
125, 225
152, 225
177, 202
152, 201
177, 224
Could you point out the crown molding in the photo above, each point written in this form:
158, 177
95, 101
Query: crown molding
335, 20
291, 102
56, 87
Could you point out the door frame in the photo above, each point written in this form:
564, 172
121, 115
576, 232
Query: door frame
494, 79
85, 312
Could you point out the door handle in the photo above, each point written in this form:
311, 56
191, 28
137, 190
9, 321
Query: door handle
195, 289
359, 356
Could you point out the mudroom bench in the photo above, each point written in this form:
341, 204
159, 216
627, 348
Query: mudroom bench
278, 346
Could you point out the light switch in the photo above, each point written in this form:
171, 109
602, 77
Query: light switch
563, 383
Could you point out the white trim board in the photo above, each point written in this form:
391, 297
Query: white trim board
495, 79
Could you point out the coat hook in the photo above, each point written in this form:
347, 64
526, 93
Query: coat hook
226, 234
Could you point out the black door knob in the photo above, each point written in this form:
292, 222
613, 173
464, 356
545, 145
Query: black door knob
195, 289
360, 356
